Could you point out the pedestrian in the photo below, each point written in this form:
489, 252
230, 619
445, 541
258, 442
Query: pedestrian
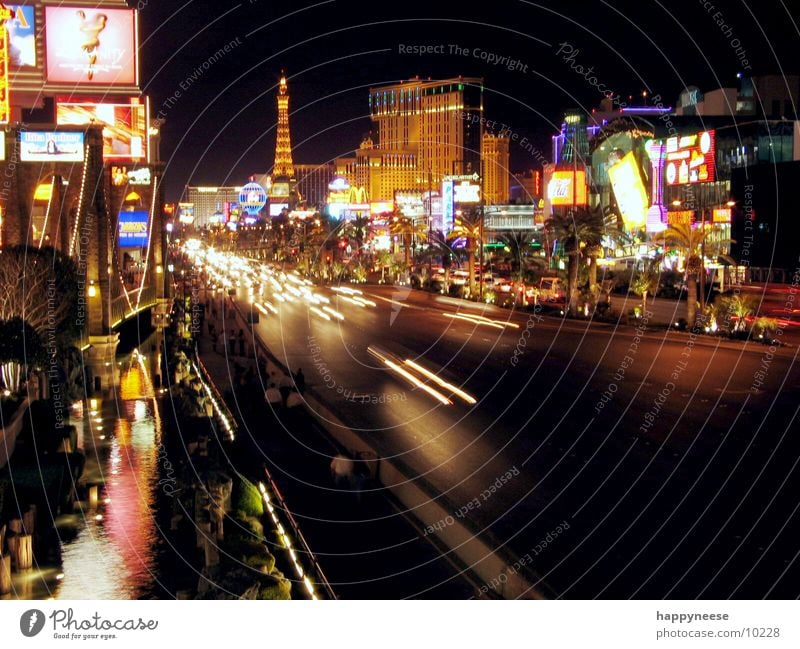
232, 343
300, 380
285, 388
241, 342
214, 340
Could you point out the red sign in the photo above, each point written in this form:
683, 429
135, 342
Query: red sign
691, 159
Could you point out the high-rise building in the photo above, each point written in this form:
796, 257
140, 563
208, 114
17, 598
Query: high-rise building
211, 203
433, 126
313, 181
495, 155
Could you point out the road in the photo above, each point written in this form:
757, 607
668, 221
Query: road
688, 494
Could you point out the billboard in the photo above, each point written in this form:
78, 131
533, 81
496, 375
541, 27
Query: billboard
275, 209
186, 213
252, 198
560, 190
721, 215
89, 46
448, 211
680, 217
466, 192
124, 125
133, 229
21, 37
691, 159
626, 181
50, 146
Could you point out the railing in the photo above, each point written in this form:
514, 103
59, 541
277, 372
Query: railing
137, 300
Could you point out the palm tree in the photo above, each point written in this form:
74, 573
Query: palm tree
443, 246
358, 229
408, 229
383, 260
469, 226
645, 282
576, 229
518, 243
688, 242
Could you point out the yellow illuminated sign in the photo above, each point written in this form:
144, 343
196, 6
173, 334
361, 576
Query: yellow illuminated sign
5, 108
629, 191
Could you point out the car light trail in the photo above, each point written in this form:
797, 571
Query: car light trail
447, 386
321, 314
480, 320
409, 376
333, 312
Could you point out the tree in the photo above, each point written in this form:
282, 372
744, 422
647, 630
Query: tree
40, 286
407, 229
21, 350
469, 226
576, 229
518, 243
645, 283
688, 242
357, 229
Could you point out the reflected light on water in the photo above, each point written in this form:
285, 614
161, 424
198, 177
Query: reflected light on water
113, 554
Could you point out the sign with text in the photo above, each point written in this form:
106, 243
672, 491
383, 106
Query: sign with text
50, 146
21, 29
691, 159
91, 46
567, 187
133, 229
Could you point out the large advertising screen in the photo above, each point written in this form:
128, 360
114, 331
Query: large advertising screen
133, 229
90, 46
124, 125
21, 37
50, 146
567, 187
629, 191
691, 159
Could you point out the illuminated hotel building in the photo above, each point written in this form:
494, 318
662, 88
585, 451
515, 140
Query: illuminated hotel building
313, 181
496, 180
426, 130
210, 203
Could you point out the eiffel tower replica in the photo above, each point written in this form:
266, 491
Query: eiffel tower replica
282, 189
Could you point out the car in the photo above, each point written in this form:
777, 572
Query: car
551, 289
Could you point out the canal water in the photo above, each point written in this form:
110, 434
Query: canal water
112, 545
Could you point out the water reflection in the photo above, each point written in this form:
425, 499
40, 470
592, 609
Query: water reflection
113, 553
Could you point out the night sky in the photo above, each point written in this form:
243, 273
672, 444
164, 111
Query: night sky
221, 127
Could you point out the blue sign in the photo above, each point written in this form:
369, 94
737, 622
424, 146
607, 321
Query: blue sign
21, 37
447, 206
252, 198
133, 230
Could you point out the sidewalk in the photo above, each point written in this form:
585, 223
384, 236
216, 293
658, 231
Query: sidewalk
365, 547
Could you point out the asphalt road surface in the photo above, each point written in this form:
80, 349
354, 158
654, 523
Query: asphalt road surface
672, 460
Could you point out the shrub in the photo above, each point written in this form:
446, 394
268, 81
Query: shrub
247, 497
275, 586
